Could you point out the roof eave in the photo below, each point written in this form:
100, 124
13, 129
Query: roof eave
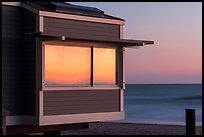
122, 42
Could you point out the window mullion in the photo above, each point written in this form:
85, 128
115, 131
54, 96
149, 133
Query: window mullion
116, 66
92, 82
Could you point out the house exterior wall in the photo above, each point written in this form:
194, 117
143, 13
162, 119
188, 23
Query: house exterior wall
79, 29
12, 59
79, 102
22, 70
57, 101
18, 61
29, 66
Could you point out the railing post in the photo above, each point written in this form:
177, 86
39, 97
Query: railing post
190, 122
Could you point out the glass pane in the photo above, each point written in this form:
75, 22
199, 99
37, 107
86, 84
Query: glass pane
67, 65
104, 66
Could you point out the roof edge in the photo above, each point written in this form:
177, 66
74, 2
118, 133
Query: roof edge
124, 42
33, 9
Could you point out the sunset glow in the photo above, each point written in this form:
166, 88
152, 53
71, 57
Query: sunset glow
67, 65
104, 66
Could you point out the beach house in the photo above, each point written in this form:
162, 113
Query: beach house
63, 66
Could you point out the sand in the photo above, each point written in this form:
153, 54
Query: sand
111, 128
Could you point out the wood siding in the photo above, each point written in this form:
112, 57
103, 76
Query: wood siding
78, 102
11, 59
18, 61
29, 44
79, 29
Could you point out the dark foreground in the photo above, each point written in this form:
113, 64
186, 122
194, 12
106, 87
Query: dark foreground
109, 128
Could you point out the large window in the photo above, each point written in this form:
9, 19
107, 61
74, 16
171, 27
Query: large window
79, 66
66, 65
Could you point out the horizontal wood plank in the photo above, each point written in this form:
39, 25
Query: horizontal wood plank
72, 102
79, 29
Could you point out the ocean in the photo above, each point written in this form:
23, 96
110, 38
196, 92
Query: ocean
162, 103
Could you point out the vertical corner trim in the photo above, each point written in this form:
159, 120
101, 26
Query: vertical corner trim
123, 54
43, 66
41, 103
42, 82
121, 31
122, 100
124, 68
41, 23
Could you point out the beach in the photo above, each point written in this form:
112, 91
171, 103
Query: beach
113, 128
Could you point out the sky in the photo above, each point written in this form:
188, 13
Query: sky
175, 28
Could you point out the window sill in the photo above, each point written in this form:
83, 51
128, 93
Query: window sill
101, 87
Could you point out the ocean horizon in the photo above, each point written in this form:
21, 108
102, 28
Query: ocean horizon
162, 103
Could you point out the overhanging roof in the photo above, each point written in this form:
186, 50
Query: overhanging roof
67, 8
123, 42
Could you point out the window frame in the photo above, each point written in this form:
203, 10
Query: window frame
68, 84
92, 86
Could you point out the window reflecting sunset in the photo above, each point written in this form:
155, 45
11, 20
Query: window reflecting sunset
104, 62
67, 65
